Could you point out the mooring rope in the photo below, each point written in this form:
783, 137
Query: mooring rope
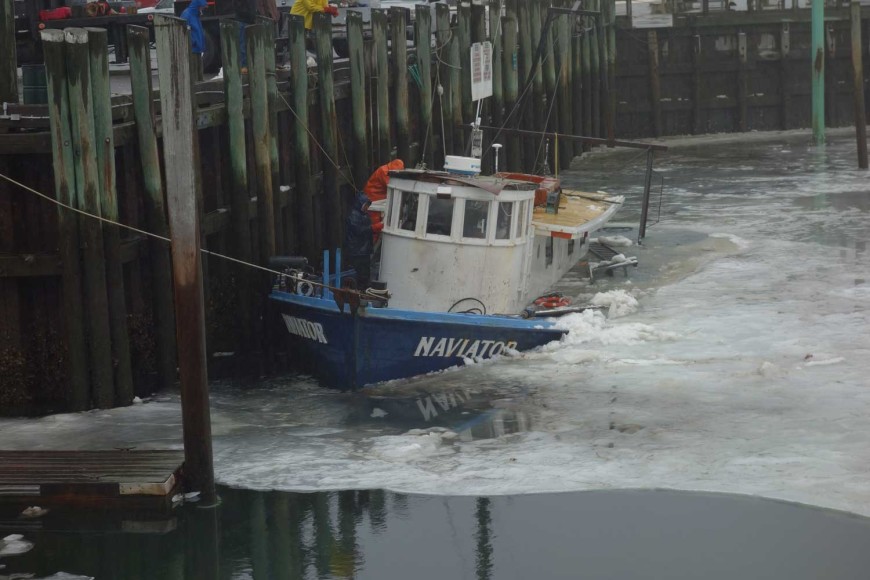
138, 230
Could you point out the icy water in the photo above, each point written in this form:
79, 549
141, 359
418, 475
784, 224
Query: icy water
734, 359
375, 534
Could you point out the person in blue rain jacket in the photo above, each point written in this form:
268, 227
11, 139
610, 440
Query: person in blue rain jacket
191, 14
358, 245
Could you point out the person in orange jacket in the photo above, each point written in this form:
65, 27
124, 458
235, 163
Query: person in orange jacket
376, 190
307, 9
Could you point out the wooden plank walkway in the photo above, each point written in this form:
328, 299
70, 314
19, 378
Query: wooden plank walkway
110, 479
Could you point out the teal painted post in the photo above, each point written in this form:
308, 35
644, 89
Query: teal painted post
382, 86
423, 40
356, 53
818, 72
88, 197
139, 42
445, 98
78, 397
102, 98
398, 24
307, 223
329, 130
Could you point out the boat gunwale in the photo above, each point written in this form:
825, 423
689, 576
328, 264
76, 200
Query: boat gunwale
448, 318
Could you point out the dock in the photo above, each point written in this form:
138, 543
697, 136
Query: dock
112, 479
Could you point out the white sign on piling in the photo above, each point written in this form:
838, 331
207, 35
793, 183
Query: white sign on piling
481, 70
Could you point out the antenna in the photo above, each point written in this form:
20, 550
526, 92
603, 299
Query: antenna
496, 146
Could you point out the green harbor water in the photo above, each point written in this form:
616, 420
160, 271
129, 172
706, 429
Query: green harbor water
377, 534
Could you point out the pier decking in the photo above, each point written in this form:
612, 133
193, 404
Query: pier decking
108, 479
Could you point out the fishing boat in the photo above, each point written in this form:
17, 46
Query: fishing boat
464, 258
465, 265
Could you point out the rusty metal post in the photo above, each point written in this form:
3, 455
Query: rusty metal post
858, 79
181, 156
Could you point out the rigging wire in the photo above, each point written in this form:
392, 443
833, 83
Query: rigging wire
316, 142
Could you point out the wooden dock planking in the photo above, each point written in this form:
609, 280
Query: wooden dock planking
109, 479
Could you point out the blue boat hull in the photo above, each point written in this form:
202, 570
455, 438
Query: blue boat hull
380, 344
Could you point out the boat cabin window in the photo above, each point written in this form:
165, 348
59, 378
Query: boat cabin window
549, 250
522, 209
440, 220
408, 211
503, 221
476, 217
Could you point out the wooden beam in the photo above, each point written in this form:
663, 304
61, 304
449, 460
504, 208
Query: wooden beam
139, 44
398, 24
181, 156
382, 86
9, 62
78, 396
332, 208
654, 83
261, 123
356, 50
240, 199
307, 220
858, 84
101, 94
423, 41
88, 199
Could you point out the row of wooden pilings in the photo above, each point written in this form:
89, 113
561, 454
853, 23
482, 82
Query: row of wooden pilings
294, 144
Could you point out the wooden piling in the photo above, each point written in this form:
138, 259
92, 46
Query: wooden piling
697, 91
655, 86
565, 124
463, 37
88, 198
537, 119
513, 160
548, 67
78, 397
742, 107
181, 157
586, 54
138, 42
240, 200
784, 86
457, 88
423, 41
577, 88
382, 86
9, 63
105, 146
358, 94
603, 65
332, 204
610, 31
281, 237
496, 35
398, 24
858, 84
525, 117
260, 121
595, 73
307, 220
445, 98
